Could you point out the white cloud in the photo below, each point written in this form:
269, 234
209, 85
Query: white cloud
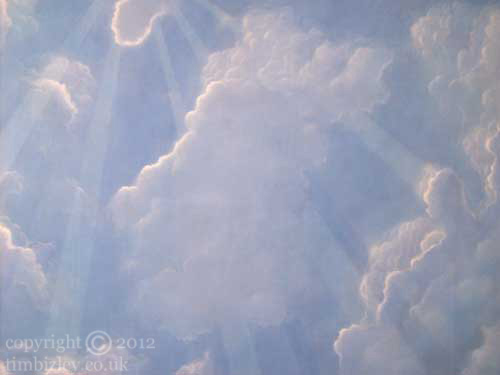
68, 83
203, 366
133, 20
429, 294
325, 78
58, 97
59, 92
459, 44
429, 290
373, 350
222, 226
20, 272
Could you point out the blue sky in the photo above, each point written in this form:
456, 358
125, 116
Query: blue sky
250, 187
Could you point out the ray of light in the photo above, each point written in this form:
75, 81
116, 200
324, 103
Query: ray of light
222, 16
402, 161
85, 25
174, 93
74, 265
194, 40
239, 349
17, 130
396, 156
19, 127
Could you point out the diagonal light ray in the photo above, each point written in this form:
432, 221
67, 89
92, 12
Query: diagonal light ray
86, 24
194, 40
402, 161
239, 349
18, 128
75, 39
221, 15
74, 265
177, 103
396, 156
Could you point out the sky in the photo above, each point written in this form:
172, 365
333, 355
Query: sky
249, 187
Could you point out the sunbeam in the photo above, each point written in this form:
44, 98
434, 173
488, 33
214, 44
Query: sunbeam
402, 161
77, 251
249, 187
194, 40
177, 103
239, 349
19, 127
85, 25
17, 130
220, 14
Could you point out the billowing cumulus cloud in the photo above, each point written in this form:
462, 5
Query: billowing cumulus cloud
59, 92
69, 84
133, 20
288, 216
222, 226
24, 284
429, 291
458, 45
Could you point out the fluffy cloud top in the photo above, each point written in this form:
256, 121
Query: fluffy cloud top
223, 224
430, 289
59, 92
21, 274
133, 20
68, 83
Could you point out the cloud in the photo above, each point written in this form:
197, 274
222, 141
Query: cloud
56, 99
222, 226
133, 20
429, 289
458, 45
5, 21
424, 290
202, 366
68, 83
16, 16
24, 284
485, 360
43, 146
59, 92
